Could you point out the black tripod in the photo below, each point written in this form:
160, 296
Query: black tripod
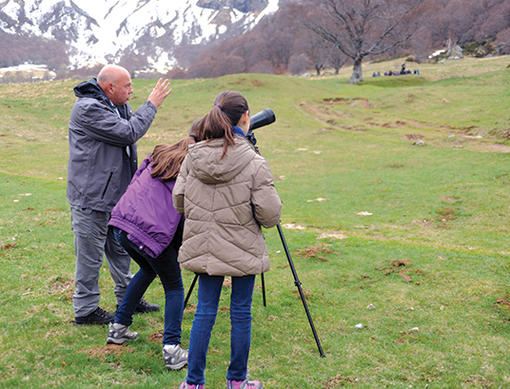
263, 118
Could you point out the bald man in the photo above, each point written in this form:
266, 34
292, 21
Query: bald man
102, 159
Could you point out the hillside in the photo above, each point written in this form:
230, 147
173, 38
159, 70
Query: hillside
395, 195
210, 38
145, 35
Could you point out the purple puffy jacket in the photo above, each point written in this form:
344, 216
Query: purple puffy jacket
146, 212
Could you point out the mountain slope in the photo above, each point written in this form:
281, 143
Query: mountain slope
150, 30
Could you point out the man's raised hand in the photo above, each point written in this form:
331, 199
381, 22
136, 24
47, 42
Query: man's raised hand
160, 92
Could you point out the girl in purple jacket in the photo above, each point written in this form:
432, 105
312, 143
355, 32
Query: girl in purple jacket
146, 224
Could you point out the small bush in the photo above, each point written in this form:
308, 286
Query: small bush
479, 49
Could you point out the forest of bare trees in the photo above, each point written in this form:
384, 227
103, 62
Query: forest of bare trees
314, 35
17, 49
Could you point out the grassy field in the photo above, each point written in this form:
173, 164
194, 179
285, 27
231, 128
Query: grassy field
396, 196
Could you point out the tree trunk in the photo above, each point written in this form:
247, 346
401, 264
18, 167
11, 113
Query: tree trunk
357, 75
318, 68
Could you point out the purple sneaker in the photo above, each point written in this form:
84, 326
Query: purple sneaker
231, 384
185, 385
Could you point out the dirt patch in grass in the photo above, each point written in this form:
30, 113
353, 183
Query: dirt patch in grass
109, 349
316, 252
306, 293
190, 308
7, 246
490, 147
340, 380
54, 209
404, 337
395, 265
413, 137
291, 226
459, 140
62, 287
334, 235
353, 128
503, 303
450, 199
479, 381
254, 82
398, 266
156, 337
318, 111
446, 214
400, 262
355, 101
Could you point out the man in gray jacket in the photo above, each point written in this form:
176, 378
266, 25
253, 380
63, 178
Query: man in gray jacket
102, 159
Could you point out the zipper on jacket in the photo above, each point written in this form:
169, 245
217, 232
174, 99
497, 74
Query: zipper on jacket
106, 186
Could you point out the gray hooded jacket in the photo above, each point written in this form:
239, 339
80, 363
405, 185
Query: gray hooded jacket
102, 149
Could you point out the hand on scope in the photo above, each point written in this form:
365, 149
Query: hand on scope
251, 137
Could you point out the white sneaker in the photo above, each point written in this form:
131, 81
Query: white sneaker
175, 357
119, 333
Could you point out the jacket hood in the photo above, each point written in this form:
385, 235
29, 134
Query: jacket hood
91, 89
210, 168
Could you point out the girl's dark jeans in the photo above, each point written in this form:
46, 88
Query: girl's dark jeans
209, 289
168, 270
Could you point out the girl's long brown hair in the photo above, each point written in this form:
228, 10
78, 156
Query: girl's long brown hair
167, 159
228, 108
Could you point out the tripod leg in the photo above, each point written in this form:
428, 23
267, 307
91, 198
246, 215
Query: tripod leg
263, 289
298, 285
190, 290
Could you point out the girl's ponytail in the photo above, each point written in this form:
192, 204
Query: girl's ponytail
167, 159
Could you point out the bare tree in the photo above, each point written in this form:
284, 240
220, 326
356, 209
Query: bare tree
504, 41
494, 17
299, 63
275, 37
335, 58
314, 48
460, 21
360, 28
352, 32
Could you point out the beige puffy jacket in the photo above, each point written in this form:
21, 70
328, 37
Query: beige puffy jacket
224, 200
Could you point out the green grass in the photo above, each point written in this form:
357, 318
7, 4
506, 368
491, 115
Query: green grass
441, 209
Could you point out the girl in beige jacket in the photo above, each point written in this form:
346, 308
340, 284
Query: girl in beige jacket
226, 192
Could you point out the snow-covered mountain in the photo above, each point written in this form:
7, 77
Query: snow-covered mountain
147, 31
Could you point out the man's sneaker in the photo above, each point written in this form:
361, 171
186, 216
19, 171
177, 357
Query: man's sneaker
231, 384
184, 385
175, 357
119, 333
99, 316
144, 307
